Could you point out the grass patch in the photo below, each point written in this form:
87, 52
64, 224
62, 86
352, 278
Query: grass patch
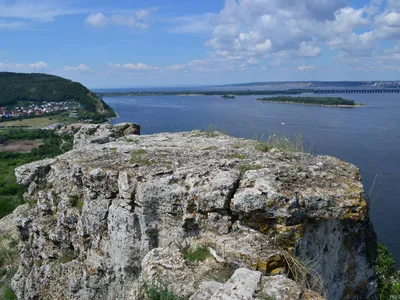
281, 142
237, 146
247, 167
66, 257
6, 292
199, 254
140, 157
160, 291
210, 148
76, 201
8, 256
8, 263
212, 131
131, 141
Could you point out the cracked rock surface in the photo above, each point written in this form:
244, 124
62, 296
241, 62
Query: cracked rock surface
101, 210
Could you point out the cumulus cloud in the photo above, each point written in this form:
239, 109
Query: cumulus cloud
388, 22
279, 31
305, 68
139, 19
81, 67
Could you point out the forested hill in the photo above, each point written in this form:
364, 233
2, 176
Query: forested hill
18, 87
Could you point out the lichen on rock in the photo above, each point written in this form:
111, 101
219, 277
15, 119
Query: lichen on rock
112, 213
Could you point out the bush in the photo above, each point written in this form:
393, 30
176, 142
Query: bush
6, 293
388, 277
161, 291
199, 254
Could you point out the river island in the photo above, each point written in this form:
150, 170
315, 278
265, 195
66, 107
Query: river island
316, 101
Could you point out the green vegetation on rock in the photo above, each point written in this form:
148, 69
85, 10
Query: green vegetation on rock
161, 291
329, 101
199, 254
388, 276
8, 259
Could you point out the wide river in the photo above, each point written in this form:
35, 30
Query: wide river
368, 137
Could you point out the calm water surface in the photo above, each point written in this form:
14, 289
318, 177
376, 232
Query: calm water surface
368, 137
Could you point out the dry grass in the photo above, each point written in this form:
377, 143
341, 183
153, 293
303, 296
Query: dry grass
281, 142
304, 273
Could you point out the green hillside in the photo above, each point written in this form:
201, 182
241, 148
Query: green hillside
18, 88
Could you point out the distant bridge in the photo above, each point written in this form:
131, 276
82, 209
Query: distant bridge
358, 91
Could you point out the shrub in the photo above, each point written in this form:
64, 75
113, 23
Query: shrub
388, 277
6, 293
199, 254
76, 201
161, 291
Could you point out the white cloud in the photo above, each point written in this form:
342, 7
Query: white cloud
388, 22
176, 67
23, 67
305, 68
354, 43
81, 67
38, 10
139, 19
283, 30
308, 50
138, 67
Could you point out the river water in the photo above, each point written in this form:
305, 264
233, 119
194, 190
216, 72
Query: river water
368, 137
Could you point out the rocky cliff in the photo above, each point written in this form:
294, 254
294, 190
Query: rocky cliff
121, 212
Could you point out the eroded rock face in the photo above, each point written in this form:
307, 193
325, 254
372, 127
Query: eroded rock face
117, 200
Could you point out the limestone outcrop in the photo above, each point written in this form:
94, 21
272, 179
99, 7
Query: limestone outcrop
113, 215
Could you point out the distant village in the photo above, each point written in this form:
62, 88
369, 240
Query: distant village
39, 109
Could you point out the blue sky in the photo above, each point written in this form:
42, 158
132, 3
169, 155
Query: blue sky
129, 43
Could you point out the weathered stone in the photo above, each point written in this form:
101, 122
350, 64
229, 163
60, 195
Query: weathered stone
246, 249
102, 207
102, 134
279, 288
206, 290
241, 286
168, 267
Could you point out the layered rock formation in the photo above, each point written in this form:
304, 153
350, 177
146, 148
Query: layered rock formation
111, 215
